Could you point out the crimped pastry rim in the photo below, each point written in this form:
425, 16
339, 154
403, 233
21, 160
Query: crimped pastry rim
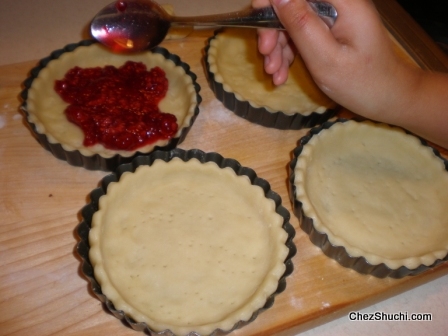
97, 160
321, 237
211, 54
88, 211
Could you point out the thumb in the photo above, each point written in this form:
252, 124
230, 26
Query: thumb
308, 32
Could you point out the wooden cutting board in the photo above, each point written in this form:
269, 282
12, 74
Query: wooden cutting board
42, 290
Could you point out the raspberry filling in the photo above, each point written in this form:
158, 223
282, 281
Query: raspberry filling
118, 107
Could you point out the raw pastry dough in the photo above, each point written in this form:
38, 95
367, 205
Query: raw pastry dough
376, 191
46, 108
235, 62
187, 246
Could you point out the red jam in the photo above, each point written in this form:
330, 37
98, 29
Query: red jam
118, 107
121, 6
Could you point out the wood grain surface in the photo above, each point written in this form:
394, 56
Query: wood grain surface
42, 291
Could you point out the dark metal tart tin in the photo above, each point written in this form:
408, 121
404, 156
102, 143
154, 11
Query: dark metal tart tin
88, 211
339, 253
260, 115
97, 162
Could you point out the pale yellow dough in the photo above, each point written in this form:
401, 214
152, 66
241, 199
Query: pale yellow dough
46, 108
187, 246
376, 191
234, 59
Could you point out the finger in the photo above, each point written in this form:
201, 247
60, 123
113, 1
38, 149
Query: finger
274, 60
281, 55
280, 77
266, 37
289, 53
309, 33
267, 40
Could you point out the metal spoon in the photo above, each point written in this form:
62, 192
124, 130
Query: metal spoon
136, 25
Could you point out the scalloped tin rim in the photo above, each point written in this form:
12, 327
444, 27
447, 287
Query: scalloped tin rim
339, 253
89, 209
97, 162
260, 115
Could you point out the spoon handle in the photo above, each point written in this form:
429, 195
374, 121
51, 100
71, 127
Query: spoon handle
254, 17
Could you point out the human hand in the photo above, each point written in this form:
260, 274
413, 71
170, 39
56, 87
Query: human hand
278, 50
355, 64
351, 62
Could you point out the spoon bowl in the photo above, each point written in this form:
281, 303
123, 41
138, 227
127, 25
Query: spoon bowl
136, 25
